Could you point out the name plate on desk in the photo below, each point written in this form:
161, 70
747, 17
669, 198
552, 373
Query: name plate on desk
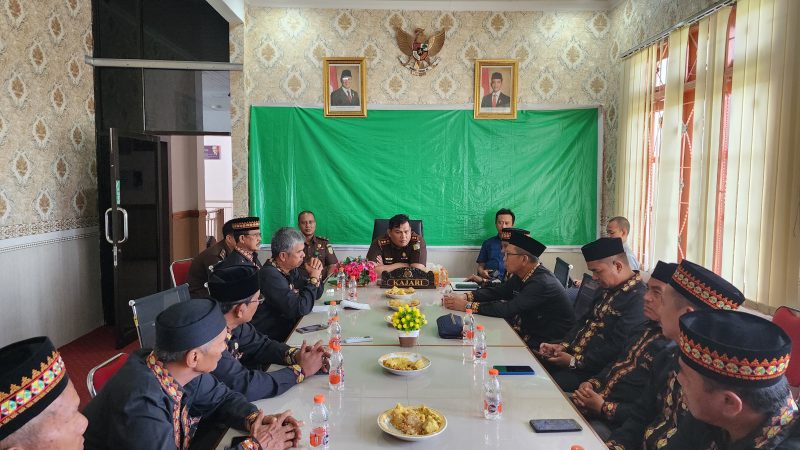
408, 277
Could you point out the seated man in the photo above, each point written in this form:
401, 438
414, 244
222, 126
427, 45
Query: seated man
490, 258
620, 227
609, 395
316, 246
504, 236
535, 304
48, 419
655, 417
747, 408
600, 335
247, 241
236, 290
156, 399
288, 294
208, 258
401, 247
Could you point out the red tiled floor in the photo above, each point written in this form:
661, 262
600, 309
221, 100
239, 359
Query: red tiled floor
89, 350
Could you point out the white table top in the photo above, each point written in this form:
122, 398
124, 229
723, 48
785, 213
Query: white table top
372, 322
452, 385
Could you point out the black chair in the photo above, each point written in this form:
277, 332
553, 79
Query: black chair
381, 225
561, 271
585, 296
146, 309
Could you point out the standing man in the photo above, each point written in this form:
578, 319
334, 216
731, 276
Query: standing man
496, 98
208, 258
248, 351
655, 418
345, 95
610, 395
536, 306
247, 241
620, 227
316, 246
746, 408
401, 247
288, 295
39, 402
600, 335
156, 399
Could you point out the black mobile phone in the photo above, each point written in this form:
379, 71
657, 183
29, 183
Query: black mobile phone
554, 425
514, 370
237, 440
311, 328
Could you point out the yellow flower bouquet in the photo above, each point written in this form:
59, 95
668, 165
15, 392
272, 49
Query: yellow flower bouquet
407, 321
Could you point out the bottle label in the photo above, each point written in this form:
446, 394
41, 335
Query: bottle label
468, 334
319, 437
480, 353
334, 341
334, 378
493, 407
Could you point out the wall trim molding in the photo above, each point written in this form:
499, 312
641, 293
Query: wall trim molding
187, 214
55, 237
428, 5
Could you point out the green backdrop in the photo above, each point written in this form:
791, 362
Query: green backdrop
441, 166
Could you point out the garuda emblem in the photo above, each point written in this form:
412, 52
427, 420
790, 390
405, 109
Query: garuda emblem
420, 49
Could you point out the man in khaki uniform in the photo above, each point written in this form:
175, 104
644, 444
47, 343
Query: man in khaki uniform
316, 246
208, 258
401, 247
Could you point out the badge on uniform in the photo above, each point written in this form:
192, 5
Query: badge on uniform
416, 246
330, 249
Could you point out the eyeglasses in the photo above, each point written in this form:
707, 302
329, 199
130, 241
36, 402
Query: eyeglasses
258, 301
258, 235
516, 254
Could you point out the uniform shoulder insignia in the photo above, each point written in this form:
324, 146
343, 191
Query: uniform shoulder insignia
383, 241
414, 238
223, 253
323, 238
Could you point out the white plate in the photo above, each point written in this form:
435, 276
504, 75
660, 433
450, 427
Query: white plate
385, 424
404, 304
400, 297
414, 357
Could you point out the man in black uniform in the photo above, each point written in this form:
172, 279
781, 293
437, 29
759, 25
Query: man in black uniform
535, 305
655, 417
288, 294
156, 399
39, 403
609, 395
247, 239
600, 335
732, 372
248, 351
316, 246
401, 247
208, 258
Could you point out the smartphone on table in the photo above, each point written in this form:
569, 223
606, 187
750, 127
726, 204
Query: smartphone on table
514, 370
311, 328
555, 425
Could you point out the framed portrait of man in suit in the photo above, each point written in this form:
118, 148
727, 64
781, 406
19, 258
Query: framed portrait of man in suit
495, 89
344, 87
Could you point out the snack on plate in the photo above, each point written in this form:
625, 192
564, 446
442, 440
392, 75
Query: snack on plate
400, 363
400, 291
417, 421
398, 303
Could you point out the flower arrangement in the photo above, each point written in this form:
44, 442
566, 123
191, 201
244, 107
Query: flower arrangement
408, 318
359, 267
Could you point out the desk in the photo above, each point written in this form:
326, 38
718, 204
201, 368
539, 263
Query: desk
452, 385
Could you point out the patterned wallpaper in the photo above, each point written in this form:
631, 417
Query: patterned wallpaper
47, 149
564, 59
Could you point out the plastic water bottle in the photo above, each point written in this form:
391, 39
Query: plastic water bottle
479, 346
334, 332
352, 289
468, 331
333, 311
336, 372
341, 283
319, 423
492, 400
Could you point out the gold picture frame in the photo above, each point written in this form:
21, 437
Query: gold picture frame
491, 74
340, 100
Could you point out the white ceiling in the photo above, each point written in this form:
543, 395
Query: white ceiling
445, 5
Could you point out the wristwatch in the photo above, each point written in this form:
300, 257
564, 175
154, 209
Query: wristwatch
572, 363
314, 281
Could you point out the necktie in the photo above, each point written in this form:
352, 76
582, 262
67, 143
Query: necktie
494, 100
349, 97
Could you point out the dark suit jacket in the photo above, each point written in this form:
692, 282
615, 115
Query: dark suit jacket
503, 101
338, 98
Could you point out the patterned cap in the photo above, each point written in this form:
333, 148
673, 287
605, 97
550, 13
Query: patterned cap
233, 283
527, 243
189, 324
602, 248
32, 376
663, 271
704, 288
505, 233
734, 347
245, 224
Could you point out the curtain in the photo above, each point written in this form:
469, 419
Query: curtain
761, 241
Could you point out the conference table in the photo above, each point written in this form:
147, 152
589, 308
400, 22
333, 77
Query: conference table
452, 384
